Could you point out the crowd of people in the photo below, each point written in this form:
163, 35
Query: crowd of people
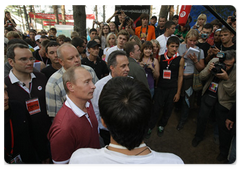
70, 100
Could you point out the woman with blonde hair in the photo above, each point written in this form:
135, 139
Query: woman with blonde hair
192, 62
156, 48
110, 41
201, 20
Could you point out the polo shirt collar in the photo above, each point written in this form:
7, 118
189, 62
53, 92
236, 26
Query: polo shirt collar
14, 79
77, 111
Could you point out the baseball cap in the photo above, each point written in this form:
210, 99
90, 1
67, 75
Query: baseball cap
92, 44
37, 37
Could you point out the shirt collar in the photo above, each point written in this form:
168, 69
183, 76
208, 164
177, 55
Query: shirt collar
14, 79
78, 112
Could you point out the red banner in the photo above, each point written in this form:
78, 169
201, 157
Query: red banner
52, 23
52, 16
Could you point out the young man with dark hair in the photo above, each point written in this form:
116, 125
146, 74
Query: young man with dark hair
51, 53
169, 84
145, 32
94, 61
79, 44
124, 107
170, 27
92, 33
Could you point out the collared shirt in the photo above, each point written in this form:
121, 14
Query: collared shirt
110, 50
55, 92
76, 110
96, 94
14, 79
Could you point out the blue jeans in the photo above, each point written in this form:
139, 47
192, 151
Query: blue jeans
232, 151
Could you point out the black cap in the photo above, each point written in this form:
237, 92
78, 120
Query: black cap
92, 44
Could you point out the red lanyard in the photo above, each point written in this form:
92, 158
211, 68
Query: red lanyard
12, 138
169, 59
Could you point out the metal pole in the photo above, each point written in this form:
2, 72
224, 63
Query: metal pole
220, 19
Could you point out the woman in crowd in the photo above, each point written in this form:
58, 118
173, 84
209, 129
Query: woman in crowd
104, 30
150, 64
111, 41
192, 62
156, 48
201, 20
8, 21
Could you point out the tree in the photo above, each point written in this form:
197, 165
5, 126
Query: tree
63, 15
55, 9
79, 16
163, 11
26, 17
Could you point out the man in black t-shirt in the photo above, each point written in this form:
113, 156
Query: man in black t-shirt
94, 61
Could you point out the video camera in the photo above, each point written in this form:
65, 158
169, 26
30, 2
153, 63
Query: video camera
220, 65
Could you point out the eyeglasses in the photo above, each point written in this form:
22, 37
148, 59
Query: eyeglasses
25, 59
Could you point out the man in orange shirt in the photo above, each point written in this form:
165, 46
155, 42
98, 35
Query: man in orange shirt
145, 32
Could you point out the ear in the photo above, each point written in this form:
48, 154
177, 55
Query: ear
111, 68
103, 123
11, 61
70, 86
61, 61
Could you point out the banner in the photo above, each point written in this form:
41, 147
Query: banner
52, 16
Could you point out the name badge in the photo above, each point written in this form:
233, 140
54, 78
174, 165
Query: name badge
166, 74
16, 160
185, 65
213, 87
33, 106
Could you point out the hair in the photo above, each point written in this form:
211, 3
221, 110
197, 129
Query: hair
156, 42
216, 22
230, 54
16, 40
125, 107
144, 16
11, 48
76, 41
53, 29
108, 36
105, 24
208, 26
146, 44
202, 16
225, 29
51, 44
112, 59
168, 24
175, 16
173, 40
136, 39
124, 32
74, 34
44, 43
97, 37
191, 33
69, 76
61, 37
59, 50
13, 34
129, 47
93, 29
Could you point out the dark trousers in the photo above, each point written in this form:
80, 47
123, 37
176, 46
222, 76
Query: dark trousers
163, 99
207, 105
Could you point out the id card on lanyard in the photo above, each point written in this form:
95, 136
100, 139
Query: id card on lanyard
167, 72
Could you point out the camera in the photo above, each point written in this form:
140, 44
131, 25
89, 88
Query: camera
127, 18
220, 65
119, 12
233, 18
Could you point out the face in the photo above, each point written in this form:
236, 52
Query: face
121, 40
83, 87
122, 67
52, 54
206, 31
94, 51
105, 29
32, 36
112, 40
144, 21
191, 42
172, 49
153, 21
70, 57
201, 21
93, 34
155, 48
6, 106
217, 37
171, 30
161, 22
226, 37
137, 52
112, 27
147, 52
23, 61
229, 64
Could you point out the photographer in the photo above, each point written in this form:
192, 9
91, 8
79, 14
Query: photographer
219, 93
127, 24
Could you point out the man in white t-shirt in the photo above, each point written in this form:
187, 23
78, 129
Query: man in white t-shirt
162, 39
122, 39
124, 107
